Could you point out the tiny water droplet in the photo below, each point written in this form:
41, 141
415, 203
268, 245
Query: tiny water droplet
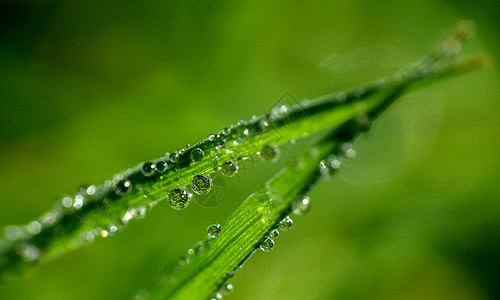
246, 132
229, 168
103, 233
179, 198
286, 224
91, 190
148, 169
329, 166
270, 153
34, 227
174, 157
29, 252
301, 206
201, 184
67, 202
214, 230
275, 233
161, 166
197, 155
340, 96
211, 137
123, 187
227, 289
79, 202
267, 245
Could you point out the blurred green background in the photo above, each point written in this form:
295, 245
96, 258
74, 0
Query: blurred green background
88, 88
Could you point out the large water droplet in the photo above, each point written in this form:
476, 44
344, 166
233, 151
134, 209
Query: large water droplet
229, 168
286, 224
161, 166
214, 230
197, 155
148, 169
301, 206
267, 245
201, 184
179, 198
123, 187
270, 153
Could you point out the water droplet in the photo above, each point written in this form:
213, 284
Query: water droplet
278, 112
174, 157
123, 187
67, 202
34, 227
91, 190
113, 228
103, 233
227, 289
148, 169
267, 245
201, 184
161, 166
286, 224
340, 96
29, 252
214, 230
329, 167
197, 154
211, 137
301, 206
270, 153
13, 233
229, 168
179, 198
246, 132
275, 233
79, 202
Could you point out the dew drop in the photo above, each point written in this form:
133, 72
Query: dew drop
267, 245
179, 198
148, 169
214, 230
123, 187
197, 155
340, 96
34, 227
79, 201
270, 153
301, 206
13, 233
286, 224
161, 166
201, 184
29, 252
275, 233
91, 190
229, 168
174, 157
328, 167
211, 137
67, 202
246, 132
227, 289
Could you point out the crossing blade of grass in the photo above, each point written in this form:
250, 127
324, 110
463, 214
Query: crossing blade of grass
206, 267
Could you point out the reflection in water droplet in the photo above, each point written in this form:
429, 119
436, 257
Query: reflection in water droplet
197, 155
270, 153
229, 168
214, 230
79, 201
67, 202
301, 206
286, 224
148, 169
267, 245
179, 198
329, 166
201, 184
